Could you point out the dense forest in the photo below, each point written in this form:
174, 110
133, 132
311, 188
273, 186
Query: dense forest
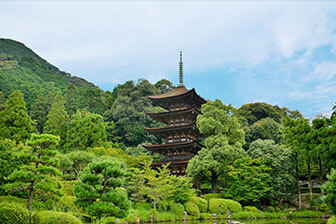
72, 153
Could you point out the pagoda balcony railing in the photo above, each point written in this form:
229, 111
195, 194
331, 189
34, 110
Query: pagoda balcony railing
177, 158
179, 124
180, 140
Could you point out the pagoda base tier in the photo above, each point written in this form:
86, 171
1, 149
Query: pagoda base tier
177, 168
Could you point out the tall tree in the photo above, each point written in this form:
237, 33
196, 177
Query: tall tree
14, 121
295, 135
85, 130
36, 174
98, 192
57, 118
164, 85
223, 143
2, 101
70, 101
279, 159
40, 109
329, 189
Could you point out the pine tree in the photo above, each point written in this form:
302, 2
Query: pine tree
40, 109
69, 96
14, 121
57, 118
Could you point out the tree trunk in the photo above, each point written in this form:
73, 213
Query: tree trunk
30, 197
214, 183
310, 181
298, 181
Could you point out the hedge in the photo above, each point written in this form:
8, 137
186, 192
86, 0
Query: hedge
332, 220
306, 214
206, 216
208, 197
221, 206
13, 213
201, 203
250, 209
192, 209
53, 217
177, 209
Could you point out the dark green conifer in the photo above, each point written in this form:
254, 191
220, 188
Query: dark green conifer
14, 121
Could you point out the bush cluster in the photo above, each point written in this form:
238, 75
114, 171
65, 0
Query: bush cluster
221, 206
53, 217
201, 203
208, 197
13, 213
250, 209
192, 209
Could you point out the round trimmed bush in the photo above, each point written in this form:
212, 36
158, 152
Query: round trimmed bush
108, 220
208, 197
192, 209
177, 209
221, 206
201, 203
53, 217
332, 220
250, 209
13, 213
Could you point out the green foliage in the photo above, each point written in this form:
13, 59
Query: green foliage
85, 130
70, 101
208, 197
13, 213
57, 118
80, 159
201, 203
254, 112
177, 209
97, 190
306, 214
135, 184
329, 190
40, 109
53, 217
259, 215
249, 180
206, 216
221, 206
164, 85
36, 176
14, 121
279, 159
223, 144
129, 112
144, 206
250, 209
108, 220
332, 220
68, 187
192, 209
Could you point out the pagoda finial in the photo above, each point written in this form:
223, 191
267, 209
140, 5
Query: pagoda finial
181, 70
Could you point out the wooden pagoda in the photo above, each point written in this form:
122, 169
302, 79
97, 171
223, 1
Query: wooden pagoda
180, 131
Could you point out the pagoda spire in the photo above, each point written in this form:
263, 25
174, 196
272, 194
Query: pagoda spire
181, 70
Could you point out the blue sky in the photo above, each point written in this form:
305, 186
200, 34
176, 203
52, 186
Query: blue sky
278, 52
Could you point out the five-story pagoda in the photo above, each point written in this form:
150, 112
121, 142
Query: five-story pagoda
180, 132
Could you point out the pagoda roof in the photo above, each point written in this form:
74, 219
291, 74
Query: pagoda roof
164, 114
171, 128
178, 92
160, 147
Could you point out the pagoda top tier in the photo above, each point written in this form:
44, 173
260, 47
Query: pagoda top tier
179, 95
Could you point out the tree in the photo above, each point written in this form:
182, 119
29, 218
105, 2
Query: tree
135, 184
80, 159
266, 128
57, 118
36, 175
85, 130
2, 101
70, 101
40, 109
14, 121
295, 135
249, 180
329, 190
164, 85
223, 144
98, 192
279, 159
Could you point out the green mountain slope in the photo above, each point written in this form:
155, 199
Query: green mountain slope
22, 69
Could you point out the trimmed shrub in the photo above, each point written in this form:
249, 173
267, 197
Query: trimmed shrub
10, 199
250, 209
201, 203
208, 197
13, 213
332, 220
53, 217
269, 209
206, 216
177, 209
258, 215
108, 220
221, 206
306, 214
192, 209
144, 206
